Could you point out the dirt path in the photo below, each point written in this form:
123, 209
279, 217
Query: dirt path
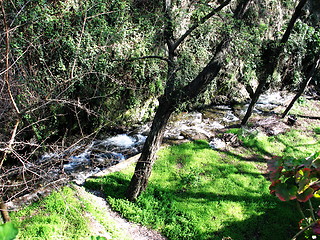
128, 230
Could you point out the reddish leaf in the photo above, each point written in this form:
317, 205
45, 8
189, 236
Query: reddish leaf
285, 192
306, 195
272, 186
274, 175
315, 186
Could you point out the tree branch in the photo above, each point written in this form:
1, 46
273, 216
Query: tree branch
11, 142
295, 16
6, 76
202, 20
141, 58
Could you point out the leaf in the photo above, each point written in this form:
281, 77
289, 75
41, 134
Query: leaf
285, 192
315, 184
274, 175
8, 231
273, 185
317, 194
302, 179
273, 164
306, 195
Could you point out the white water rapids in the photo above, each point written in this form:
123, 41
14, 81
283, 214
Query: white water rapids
81, 163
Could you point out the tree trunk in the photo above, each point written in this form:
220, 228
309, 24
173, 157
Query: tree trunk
254, 99
303, 86
270, 58
144, 165
167, 104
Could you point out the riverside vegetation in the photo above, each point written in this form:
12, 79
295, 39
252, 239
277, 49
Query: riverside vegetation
76, 70
195, 192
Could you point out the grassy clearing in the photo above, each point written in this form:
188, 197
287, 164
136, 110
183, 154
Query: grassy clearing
198, 193
63, 215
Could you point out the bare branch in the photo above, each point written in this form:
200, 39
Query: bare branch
202, 20
141, 58
11, 142
6, 77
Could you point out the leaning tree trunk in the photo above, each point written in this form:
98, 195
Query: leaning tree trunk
143, 168
167, 104
270, 59
303, 86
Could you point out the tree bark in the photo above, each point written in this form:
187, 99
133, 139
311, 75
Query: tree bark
144, 165
168, 103
303, 86
270, 59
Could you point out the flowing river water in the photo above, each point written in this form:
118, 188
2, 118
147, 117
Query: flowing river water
85, 161
81, 161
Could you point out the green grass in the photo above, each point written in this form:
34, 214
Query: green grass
293, 144
194, 193
197, 193
62, 215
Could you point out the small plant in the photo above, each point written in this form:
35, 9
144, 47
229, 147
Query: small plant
298, 179
8, 231
190, 179
302, 101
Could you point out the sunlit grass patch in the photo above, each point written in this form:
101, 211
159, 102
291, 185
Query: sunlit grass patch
197, 193
62, 215
291, 144
58, 216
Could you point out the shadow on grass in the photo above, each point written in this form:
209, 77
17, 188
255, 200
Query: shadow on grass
263, 217
253, 158
271, 218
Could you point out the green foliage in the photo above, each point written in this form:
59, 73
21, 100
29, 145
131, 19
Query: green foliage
8, 231
300, 53
98, 238
75, 52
